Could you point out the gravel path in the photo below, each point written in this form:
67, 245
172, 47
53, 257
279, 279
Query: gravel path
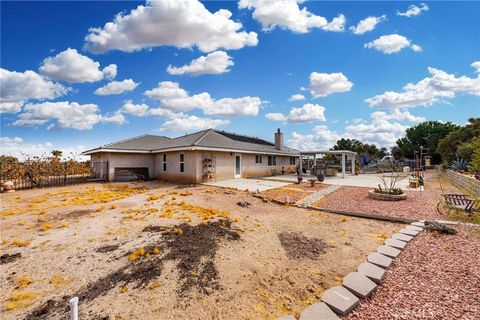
317, 195
436, 277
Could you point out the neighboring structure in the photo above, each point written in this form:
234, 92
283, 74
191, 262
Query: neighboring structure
204, 156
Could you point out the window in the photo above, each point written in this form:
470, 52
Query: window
164, 162
258, 158
292, 161
272, 160
182, 162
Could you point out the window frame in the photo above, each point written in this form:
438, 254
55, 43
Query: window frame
293, 161
181, 162
164, 162
258, 159
272, 160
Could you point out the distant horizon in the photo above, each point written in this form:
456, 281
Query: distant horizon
78, 75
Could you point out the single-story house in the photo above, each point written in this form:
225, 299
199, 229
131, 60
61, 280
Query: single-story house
204, 156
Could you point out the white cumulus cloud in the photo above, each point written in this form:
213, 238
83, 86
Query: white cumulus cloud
413, 10
65, 114
190, 123
307, 113
321, 138
116, 87
296, 97
71, 66
177, 99
367, 24
143, 110
476, 66
392, 43
21, 149
286, 14
324, 84
18, 87
214, 63
179, 23
439, 86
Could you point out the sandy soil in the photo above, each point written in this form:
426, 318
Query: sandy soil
162, 251
293, 192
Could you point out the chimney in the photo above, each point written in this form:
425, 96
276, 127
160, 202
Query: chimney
278, 140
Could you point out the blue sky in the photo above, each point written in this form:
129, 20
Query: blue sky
352, 76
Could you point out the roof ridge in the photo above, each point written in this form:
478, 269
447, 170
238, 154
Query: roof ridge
190, 134
123, 140
196, 142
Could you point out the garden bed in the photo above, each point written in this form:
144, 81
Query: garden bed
435, 277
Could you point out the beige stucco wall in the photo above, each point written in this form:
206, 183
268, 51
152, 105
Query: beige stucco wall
192, 172
224, 165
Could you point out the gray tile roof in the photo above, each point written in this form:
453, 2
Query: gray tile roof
207, 139
145, 142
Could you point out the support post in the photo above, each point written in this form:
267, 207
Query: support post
300, 171
353, 164
73, 308
343, 165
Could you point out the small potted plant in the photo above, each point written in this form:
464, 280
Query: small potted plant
320, 177
300, 179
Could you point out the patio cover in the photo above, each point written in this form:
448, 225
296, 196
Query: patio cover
344, 154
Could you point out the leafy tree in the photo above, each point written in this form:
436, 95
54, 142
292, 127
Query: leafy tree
57, 153
475, 159
426, 134
458, 142
348, 144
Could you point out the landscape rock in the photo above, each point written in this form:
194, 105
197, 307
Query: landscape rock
437, 226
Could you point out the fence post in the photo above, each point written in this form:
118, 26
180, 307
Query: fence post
73, 308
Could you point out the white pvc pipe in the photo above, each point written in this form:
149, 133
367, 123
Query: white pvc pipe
73, 308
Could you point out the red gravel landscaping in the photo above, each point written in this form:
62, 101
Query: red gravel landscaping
419, 206
436, 277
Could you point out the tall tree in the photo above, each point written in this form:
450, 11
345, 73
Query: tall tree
426, 135
458, 142
57, 153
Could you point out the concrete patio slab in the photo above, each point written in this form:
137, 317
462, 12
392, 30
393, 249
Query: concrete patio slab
340, 300
402, 237
379, 260
388, 251
359, 284
409, 232
373, 272
318, 311
395, 243
362, 180
248, 184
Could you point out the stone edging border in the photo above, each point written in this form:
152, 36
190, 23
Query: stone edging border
341, 300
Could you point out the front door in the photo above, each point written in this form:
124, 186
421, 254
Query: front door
238, 166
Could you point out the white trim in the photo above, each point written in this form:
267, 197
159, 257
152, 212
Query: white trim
235, 175
156, 151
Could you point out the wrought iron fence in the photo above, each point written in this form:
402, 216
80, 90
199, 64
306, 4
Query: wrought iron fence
57, 175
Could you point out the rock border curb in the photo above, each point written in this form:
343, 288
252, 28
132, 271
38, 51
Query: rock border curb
337, 301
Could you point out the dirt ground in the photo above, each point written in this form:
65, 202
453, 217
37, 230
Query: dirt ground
157, 250
292, 193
